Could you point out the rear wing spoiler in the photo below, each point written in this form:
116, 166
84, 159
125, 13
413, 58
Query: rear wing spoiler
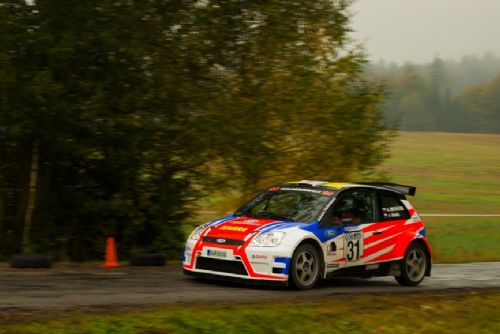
400, 188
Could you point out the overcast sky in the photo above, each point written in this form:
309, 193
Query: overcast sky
419, 30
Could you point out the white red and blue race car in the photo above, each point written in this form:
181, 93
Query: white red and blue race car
298, 233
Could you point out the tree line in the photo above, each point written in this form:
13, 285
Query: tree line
115, 116
451, 96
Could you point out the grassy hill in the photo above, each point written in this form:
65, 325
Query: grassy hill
454, 173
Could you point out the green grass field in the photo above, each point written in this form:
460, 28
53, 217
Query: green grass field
454, 173
464, 239
466, 312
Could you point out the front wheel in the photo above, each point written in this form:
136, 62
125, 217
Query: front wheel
413, 266
306, 267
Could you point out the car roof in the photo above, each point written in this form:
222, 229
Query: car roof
325, 184
337, 186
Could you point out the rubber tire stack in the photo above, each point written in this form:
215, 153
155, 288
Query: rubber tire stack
36, 261
147, 260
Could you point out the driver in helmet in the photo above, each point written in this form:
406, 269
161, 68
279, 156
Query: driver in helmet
345, 212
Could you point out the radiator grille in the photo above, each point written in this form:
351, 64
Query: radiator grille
225, 266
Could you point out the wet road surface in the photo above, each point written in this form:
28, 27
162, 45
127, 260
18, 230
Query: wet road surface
75, 286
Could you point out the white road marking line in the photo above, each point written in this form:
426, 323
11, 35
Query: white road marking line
458, 215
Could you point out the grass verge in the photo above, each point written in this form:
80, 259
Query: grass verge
465, 312
464, 239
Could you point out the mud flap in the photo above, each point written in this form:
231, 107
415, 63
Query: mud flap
395, 269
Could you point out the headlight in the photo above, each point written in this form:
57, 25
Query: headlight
269, 239
195, 235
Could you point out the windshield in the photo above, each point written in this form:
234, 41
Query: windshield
292, 204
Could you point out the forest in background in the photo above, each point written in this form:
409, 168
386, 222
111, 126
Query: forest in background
116, 117
442, 95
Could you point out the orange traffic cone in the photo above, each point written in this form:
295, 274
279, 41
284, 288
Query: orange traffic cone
110, 261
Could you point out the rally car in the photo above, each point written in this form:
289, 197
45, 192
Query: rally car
298, 233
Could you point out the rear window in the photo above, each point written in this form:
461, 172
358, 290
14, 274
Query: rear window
393, 208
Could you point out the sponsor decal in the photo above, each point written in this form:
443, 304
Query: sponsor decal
326, 208
233, 228
315, 191
216, 253
353, 235
249, 222
332, 265
391, 214
353, 245
220, 241
259, 257
327, 193
273, 189
372, 266
393, 209
332, 249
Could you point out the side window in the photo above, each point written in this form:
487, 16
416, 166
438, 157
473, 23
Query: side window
392, 208
355, 207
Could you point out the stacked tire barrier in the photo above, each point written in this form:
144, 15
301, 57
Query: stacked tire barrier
36, 261
147, 260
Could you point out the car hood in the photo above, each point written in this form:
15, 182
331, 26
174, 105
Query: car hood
240, 227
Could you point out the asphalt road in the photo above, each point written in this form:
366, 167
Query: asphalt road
77, 286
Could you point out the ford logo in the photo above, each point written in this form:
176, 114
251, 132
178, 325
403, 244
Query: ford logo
330, 233
220, 241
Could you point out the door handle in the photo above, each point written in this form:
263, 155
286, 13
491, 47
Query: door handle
377, 232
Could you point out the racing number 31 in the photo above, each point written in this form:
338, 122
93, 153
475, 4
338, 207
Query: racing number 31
353, 245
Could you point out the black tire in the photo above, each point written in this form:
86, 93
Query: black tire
306, 267
35, 261
413, 266
147, 260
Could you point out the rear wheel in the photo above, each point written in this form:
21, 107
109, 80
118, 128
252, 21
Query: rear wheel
413, 266
306, 267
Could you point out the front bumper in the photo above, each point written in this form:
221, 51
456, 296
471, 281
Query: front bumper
245, 263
